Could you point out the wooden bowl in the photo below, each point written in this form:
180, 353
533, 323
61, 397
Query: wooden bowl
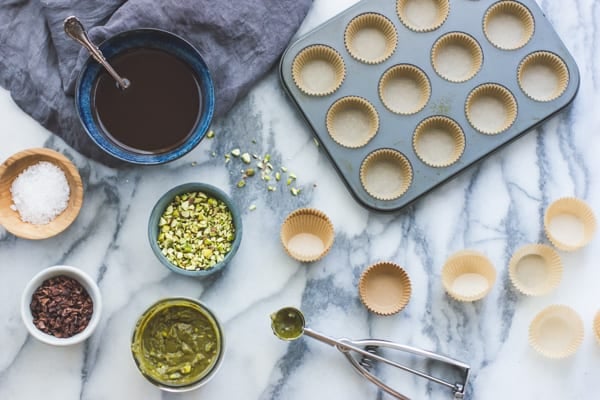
11, 168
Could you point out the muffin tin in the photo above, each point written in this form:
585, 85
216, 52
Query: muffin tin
405, 94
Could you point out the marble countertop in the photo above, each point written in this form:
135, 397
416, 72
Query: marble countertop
494, 207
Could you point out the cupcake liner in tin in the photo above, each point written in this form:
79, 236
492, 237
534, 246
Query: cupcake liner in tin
446, 98
456, 57
535, 269
491, 108
386, 174
543, 76
385, 288
468, 276
318, 70
422, 15
556, 332
596, 327
404, 89
569, 223
307, 234
439, 141
371, 38
352, 121
508, 25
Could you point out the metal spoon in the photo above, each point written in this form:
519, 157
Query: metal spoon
74, 28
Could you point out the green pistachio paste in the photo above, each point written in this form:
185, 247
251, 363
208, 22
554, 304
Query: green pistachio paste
176, 343
287, 323
196, 231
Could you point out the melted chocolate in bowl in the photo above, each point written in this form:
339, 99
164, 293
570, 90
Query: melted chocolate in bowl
158, 111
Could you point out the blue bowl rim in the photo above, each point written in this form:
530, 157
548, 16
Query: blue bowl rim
201, 129
162, 203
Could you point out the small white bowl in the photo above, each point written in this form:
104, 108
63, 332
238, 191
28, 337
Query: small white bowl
90, 286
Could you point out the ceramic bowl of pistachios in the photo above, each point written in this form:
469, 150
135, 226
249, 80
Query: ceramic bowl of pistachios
195, 229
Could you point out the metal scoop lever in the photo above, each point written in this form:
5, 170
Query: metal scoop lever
283, 326
74, 28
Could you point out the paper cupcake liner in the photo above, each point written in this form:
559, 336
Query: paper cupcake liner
416, 20
385, 288
484, 120
386, 174
391, 93
444, 63
352, 122
307, 234
468, 276
597, 326
503, 37
365, 48
546, 258
318, 70
537, 66
426, 148
558, 235
556, 332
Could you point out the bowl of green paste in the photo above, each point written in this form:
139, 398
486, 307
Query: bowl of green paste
178, 344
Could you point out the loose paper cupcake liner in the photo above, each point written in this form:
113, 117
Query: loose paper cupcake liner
416, 19
385, 288
535, 269
491, 108
454, 49
556, 332
371, 38
318, 70
543, 76
352, 121
404, 89
468, 276
597, 326
386, 174
307, 234
500, 32
569, 223
429, 143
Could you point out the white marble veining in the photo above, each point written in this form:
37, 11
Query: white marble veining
495, 207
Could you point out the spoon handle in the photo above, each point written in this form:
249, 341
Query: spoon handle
74, 28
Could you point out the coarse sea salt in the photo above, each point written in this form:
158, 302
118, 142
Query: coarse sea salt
40, 193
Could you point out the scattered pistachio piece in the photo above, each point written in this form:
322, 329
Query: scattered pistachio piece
210, 134
283, 169
246, 158
289, 181
295, 191
249, 172
277, 176
241, 183
271, 188
214, 154
194, 163
292, 176
267, 158
236, 152
252, 207
316, 141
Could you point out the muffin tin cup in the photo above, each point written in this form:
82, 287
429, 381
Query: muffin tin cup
385, 288
422, 15
456, 57
569, 223
371, 38
386, 174
543, 76
468, 276
556, 332
431, 148
491, 109
508, 25
352, 122
318, 70
535, 269
307, 235
404, 89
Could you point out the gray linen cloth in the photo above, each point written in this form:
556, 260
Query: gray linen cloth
240, 41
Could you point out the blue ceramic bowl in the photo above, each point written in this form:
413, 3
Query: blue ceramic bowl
151, 39
165, 200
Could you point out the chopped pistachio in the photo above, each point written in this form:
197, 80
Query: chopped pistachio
255, 156
246, 158
260, 165
271, 188
289, 181
316, 141
283, 169
213, 154
267, 158
236, 152
277, 176
292, 175
194, 163
252, 207
227, 158
241, 183
295, 191
210, 134
249, 172
266, 177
